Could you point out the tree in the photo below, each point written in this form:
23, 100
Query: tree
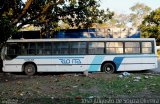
6, 30
139, 12
122, 20
150, 27
47, 14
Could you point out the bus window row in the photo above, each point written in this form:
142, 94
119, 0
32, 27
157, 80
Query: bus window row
73, 48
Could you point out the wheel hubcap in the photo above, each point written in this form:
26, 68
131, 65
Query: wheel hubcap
108, 68
29, 70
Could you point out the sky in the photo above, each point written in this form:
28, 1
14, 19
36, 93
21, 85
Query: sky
122, 6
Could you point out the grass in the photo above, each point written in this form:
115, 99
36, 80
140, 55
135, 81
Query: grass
118, 86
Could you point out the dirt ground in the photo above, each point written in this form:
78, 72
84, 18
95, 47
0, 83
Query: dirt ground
49, 86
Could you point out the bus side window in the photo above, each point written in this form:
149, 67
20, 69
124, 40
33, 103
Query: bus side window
147, 47
47, 49
114, 47
64, 48
32, 49
77, 48
74, 47
83, 47
60, 48
23, 48
39, 52
23, 51
132, 47
39, 48
96, 48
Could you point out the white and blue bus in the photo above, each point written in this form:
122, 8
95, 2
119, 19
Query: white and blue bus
78, 55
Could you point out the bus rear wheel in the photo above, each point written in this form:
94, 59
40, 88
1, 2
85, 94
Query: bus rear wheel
108, 68
30, 69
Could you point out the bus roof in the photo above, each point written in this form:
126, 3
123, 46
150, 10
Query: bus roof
81, 39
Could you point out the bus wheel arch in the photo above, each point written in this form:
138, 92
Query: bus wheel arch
108, 67
29, 68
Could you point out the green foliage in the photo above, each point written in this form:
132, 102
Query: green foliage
6, 30
48, 13
139, 12
140, 8
119, 20
150, 27
9, 10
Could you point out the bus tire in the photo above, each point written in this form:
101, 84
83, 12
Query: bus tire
29, 69
108, 68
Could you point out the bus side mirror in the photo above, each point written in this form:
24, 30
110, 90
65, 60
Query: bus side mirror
3, 53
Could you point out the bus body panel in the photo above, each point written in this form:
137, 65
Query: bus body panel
14, 65
81, 63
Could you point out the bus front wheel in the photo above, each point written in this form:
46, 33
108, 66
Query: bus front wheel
30, 69
108, 68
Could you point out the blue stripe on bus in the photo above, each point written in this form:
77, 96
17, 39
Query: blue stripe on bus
139, 56
118, 61
95, 64
97, 60
47, 57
